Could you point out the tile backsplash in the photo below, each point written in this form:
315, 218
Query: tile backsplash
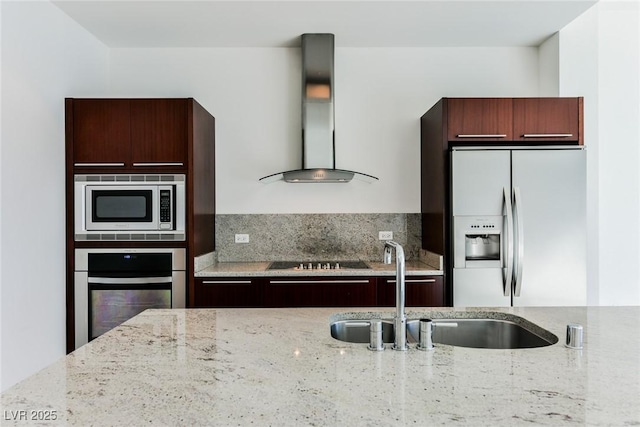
306, 237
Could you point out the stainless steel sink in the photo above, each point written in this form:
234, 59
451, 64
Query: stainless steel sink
461, 332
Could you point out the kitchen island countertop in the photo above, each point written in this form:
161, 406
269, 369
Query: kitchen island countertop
281, 367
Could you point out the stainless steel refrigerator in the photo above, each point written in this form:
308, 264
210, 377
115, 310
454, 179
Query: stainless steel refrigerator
519, 226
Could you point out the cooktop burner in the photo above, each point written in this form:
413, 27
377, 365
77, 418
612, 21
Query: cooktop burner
318, 265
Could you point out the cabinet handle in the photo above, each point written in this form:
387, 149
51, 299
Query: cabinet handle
226, 282
415, 281
158, 164
547, 135
128, 280
313, 282
482, 136
97, 165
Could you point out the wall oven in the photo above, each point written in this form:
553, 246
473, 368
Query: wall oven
113, 285
129, 207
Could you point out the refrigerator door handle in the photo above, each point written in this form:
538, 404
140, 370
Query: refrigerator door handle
519, 239
507, 234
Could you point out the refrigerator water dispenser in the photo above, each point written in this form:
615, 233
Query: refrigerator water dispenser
478, 242
482, 247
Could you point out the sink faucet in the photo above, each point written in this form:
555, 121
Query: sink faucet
400, 319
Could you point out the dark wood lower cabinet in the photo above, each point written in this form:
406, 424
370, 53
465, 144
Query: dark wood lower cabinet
320, 292
314, 291
228, 292
420, 291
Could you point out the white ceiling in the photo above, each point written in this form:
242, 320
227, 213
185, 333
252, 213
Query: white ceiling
267, 23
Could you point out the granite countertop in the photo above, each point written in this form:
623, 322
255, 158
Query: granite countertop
281, 367
259, 269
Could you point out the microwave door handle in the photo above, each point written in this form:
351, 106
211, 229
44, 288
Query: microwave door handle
508, 239
97, 165
128, 280
519, 253
148, 164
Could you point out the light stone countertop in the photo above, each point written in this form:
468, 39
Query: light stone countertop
259, 269
280, 367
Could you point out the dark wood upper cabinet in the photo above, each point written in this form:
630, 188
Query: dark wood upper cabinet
130, 134
547, 119
530, 120
101, 131
159, 131
480, 119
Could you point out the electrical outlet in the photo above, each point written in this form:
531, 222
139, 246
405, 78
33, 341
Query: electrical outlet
242, 238
385, 235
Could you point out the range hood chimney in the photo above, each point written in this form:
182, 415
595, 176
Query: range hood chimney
318, 137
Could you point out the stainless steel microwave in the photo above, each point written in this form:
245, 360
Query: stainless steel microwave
129, 207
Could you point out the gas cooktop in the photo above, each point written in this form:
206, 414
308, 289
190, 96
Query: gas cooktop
318, 265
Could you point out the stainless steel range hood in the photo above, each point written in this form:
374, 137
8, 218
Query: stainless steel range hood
318, 136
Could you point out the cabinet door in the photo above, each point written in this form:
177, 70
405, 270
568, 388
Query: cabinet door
420, 291
227, 292
159, 132
101, 132
479, 119
546, 119
320, 292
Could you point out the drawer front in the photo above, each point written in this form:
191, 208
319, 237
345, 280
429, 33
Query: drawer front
320, 292
420, 291
227, 292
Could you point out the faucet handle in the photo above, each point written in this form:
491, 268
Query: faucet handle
386, 258
426, 335
574, 336
376, 342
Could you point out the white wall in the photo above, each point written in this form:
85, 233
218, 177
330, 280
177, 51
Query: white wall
578, 76
619, 152
45, 57
600, 60
380, 95
549, 66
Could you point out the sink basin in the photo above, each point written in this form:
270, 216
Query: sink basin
484, 332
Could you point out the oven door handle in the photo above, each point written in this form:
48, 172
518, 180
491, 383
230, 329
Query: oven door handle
128, 280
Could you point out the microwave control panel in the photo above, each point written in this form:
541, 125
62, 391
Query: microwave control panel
165, 207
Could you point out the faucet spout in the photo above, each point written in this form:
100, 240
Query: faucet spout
400, 319
386, 258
